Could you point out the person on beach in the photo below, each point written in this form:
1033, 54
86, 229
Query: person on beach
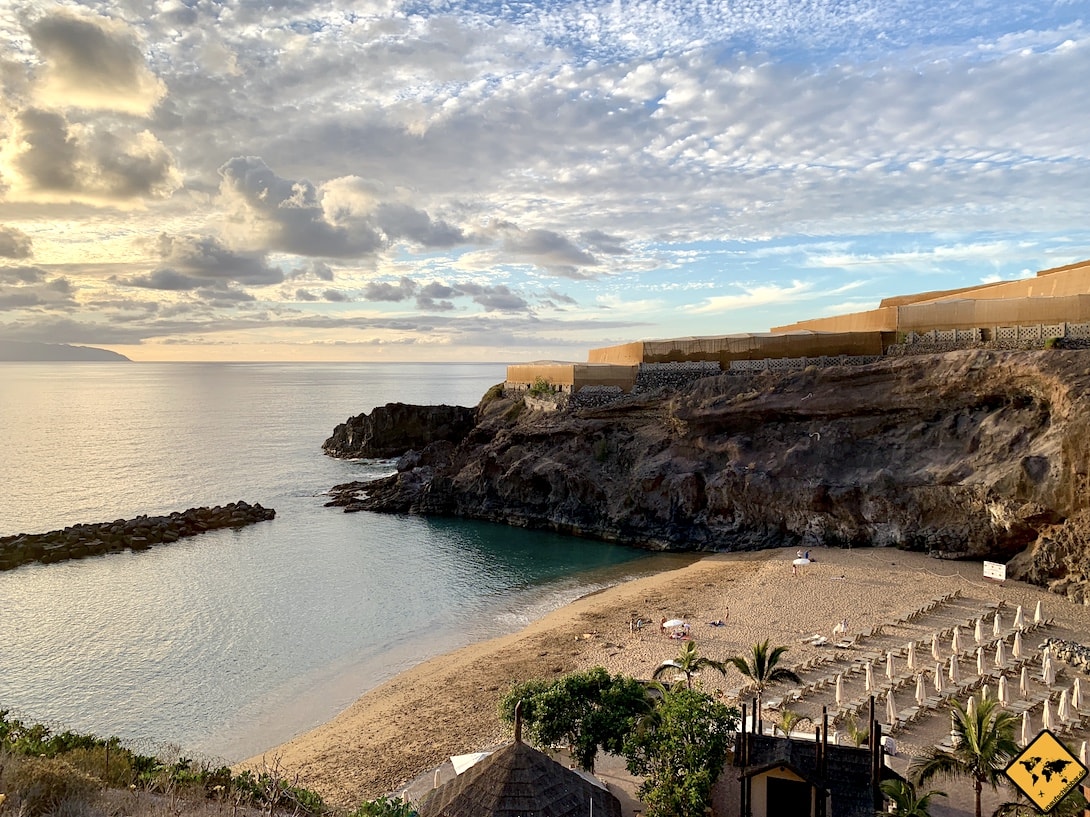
662, 625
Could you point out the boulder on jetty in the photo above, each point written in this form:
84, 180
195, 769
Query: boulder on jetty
393, 429
140, 533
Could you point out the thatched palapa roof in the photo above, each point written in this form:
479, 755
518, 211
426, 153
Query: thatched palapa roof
519, 781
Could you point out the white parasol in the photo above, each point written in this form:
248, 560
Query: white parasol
970, 708
1046, 716
1000, 653
891, 708
911, 655
1063, 710
997, 627
889, 664
1003, 693
800, 562
1023, 683
978, 631
1016, 650
953, 669
1048, 674
1038, 614
463, 762
1082, 753
1019, 618
674, 622
868, 677
955, 640
921, 692
1076, 694
980, 661
984, 692
839, 695
1026, 736
935, 653
938, 677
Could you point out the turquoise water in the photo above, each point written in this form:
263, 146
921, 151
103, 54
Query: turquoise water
232, 642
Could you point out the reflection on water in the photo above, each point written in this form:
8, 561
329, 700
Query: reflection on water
231, 642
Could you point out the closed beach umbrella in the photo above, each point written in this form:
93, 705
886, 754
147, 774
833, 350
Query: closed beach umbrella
953, 669
1023, 683
868, 677
1026, 736
1045, 655
891, 708
889, 665
839, 690
1046, 716
984, 692
978, 631
935, 647
1048, 675
1063, 710
997, 626
1019, 618
1076, 694
980, 661
1016, 650
955, 640
1038, 614
938, 677
1082, 753
1000, 653
1003, 693
970, 707
911, 655
921, 691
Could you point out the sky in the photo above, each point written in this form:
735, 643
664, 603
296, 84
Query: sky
514, 180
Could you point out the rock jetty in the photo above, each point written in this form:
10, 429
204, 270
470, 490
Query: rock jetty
140, 533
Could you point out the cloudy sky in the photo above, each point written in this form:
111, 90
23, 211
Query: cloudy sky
524, 179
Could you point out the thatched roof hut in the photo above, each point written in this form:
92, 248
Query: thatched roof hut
519, 781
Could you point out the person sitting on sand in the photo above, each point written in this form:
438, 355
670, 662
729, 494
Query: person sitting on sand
662, 625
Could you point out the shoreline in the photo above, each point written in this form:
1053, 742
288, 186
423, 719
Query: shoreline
448, 705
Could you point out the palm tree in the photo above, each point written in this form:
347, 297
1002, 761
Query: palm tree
788, 720
760, 667
689, 662
906, 803
984, 745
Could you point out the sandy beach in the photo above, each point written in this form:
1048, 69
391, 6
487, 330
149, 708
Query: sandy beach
448, 705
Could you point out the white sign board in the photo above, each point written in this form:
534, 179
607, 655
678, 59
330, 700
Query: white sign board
995, 570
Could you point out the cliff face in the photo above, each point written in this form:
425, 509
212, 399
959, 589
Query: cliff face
976, 454
393, 429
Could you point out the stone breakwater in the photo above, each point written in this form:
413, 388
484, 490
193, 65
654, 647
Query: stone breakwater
140, 533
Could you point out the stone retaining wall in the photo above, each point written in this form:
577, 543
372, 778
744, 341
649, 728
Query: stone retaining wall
81, 540
652, 376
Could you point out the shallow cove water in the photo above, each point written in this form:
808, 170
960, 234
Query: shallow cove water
229, 643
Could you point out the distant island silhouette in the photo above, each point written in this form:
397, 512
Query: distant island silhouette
27, 351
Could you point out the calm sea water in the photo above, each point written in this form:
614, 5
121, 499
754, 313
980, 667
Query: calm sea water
229, 643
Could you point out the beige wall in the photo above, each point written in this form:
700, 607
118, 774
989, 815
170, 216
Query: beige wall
571, 377
625, 354
883, 319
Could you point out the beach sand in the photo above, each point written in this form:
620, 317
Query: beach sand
448, 705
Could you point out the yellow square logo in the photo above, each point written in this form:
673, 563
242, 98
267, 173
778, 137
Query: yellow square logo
1045, 771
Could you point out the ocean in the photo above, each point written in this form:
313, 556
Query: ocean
224, 645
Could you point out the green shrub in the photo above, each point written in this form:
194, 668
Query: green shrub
542, 387
115, 770
46, 784
384, 807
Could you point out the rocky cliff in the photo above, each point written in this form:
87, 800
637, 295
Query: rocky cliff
393, 429
977, 454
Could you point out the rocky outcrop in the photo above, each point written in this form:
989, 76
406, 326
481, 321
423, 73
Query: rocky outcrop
140, 533
974, 454
393, 429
